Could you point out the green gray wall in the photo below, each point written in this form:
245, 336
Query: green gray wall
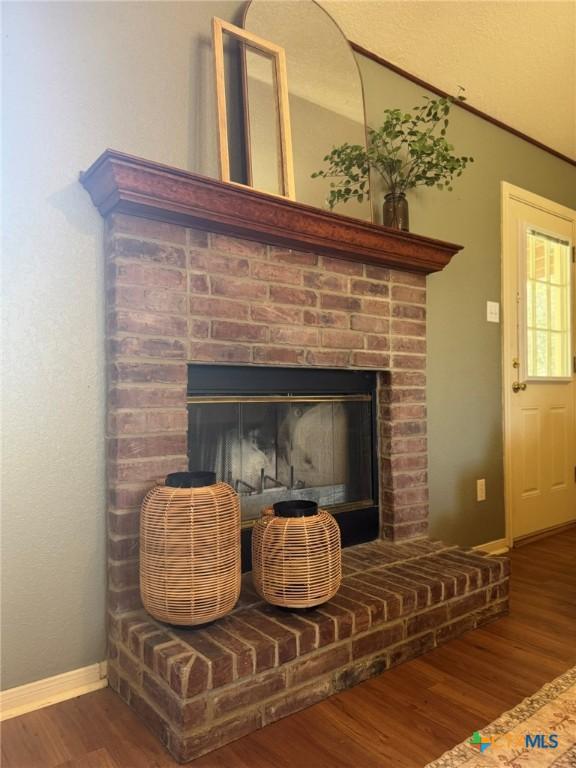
79, 77
464, 350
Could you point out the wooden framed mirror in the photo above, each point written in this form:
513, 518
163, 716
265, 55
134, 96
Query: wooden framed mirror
266, 111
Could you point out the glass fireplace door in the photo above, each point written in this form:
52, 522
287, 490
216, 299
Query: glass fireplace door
278, 447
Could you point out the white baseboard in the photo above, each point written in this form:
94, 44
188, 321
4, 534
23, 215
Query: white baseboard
497, 547
42, 693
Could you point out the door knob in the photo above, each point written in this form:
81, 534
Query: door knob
518, 386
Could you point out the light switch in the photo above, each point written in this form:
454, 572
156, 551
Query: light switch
493, 311
481, 489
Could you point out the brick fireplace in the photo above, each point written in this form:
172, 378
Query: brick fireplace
210, 273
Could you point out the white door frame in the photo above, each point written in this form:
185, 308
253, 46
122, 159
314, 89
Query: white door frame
510, 192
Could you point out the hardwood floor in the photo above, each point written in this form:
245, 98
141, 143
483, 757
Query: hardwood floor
403, 719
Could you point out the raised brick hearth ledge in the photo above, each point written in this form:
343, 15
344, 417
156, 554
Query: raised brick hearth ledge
199, 689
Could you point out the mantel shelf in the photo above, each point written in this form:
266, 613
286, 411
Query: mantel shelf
120, 183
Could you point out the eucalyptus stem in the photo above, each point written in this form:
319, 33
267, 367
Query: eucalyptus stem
409, 149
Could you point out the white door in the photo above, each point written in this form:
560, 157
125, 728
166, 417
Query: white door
538, 360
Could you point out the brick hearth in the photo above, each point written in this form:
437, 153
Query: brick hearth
214, 273
199, 689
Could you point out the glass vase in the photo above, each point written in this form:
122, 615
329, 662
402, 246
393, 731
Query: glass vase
395, 211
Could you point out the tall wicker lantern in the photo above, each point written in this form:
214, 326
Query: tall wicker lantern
296, 555
190, 549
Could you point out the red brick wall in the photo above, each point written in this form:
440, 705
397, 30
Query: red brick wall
177, 295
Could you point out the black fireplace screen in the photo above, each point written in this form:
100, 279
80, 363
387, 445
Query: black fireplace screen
303, 443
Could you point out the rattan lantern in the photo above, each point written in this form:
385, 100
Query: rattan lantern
296, 555
190, 549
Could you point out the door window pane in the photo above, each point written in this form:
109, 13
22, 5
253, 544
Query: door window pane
547, 319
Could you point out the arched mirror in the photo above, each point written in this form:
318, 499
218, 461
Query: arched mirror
325, 93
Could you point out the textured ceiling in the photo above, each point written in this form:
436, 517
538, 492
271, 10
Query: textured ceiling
517, 60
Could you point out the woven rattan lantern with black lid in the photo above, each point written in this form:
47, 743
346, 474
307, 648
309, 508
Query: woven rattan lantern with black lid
190, 549
296, 555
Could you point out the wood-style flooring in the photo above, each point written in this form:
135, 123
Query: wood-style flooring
403, 719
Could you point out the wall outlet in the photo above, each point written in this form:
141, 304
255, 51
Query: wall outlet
493, 311
481, 490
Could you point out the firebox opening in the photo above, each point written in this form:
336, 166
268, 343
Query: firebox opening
276, 434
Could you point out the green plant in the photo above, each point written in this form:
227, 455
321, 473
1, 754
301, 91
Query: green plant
408, 150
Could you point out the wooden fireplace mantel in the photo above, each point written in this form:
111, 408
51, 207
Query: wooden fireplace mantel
121, 183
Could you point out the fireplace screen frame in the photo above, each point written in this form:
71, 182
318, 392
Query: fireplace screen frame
358, 522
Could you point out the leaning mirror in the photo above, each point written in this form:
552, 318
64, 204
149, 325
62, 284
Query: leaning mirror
265, 107
324, 91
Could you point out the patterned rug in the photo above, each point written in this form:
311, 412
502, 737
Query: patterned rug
538, 733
